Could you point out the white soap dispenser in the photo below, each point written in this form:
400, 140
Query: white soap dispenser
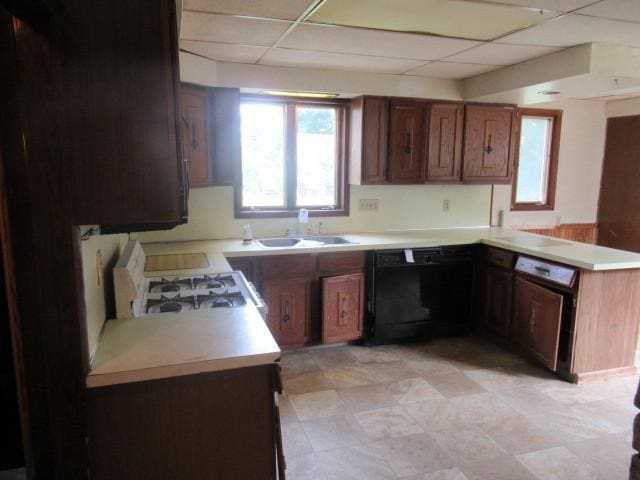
247, 234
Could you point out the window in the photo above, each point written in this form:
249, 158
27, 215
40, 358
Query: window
292, 157
534, 186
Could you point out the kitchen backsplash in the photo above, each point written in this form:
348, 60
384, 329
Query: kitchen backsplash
211, 212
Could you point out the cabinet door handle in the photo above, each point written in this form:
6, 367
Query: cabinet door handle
194, 138
286, 316
407, 145
532, 321
489, 148
543, 270
343, 309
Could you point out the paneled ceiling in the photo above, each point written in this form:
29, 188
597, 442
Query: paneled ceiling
451, 39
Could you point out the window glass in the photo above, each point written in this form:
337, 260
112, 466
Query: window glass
263, 155
315, 156
533, 162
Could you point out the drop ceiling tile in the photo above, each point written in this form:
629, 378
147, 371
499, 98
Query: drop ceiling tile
283, 9
451, 70
227, 29
559, 5
450, 18
224, 52
337, 61
501, 54
570, 30
328, 38
620, 9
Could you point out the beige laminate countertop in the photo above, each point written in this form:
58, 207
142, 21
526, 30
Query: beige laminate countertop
582, 255
168, 345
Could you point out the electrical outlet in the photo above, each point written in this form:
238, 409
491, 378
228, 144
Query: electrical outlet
368, 205
445, 205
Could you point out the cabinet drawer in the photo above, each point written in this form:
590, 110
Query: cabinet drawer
340, 262
287, 266
500, 258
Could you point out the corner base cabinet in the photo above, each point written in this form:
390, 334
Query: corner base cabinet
217, 425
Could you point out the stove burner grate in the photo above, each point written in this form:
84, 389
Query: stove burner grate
166, 285
218, 282
224, 299
171, 304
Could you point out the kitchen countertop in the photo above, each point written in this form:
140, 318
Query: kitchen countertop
588, 257
168, 345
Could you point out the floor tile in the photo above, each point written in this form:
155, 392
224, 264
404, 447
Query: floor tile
305, 383
558, 464
304, 467
455, 384
446, 474
468, 444
337, 431
351, 376
391, 422
437, 415
333, 357
500, 468
325, 403
430, 365
295, 363
482, 407
374, 354
287, 413
529, 400
412, 390
520, 435
391, 371
354, 463
367, 397
412, 454
610, 455
566, 426
295, 441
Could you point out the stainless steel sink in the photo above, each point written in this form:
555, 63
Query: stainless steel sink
306, 241
329, 239
284, 242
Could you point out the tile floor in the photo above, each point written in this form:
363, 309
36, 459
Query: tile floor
450, 409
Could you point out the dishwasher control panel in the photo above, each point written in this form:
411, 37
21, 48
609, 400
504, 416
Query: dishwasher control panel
560, 274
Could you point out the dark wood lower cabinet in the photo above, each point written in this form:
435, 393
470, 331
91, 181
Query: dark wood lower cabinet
342, 308
537, 320
215, 426
288, 316
499, 284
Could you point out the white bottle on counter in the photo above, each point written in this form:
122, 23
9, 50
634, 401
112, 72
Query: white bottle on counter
247, 234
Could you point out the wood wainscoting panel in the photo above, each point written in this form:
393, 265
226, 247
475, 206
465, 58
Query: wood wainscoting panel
578, 232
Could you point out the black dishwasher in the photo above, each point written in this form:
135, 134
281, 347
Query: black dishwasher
418, 293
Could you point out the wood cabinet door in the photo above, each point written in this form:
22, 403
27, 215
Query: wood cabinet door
498, 307
288, 304
374, 123
406, 162
536, 321
342, 308
195, 134
444, 142
225, 135
489, 142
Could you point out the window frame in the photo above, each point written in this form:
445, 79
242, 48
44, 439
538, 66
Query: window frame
554, 151
342, 183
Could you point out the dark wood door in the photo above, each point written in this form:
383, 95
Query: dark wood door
536, 321
368, 140
195, 134
406, 162
122, 85
489, 143
499, 285
342, 308
444, 142
288, 304
619, 209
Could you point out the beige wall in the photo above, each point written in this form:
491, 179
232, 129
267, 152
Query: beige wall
623, 108
211, 212
99, 297
579, 169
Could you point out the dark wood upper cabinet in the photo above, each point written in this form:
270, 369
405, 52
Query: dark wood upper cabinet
489, 144
342, 308
537, 320
122, 87
195, 134
225, 137
444, 142
406, 161
368, 140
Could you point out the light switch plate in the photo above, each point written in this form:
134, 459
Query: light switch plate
445, 205
368, 205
